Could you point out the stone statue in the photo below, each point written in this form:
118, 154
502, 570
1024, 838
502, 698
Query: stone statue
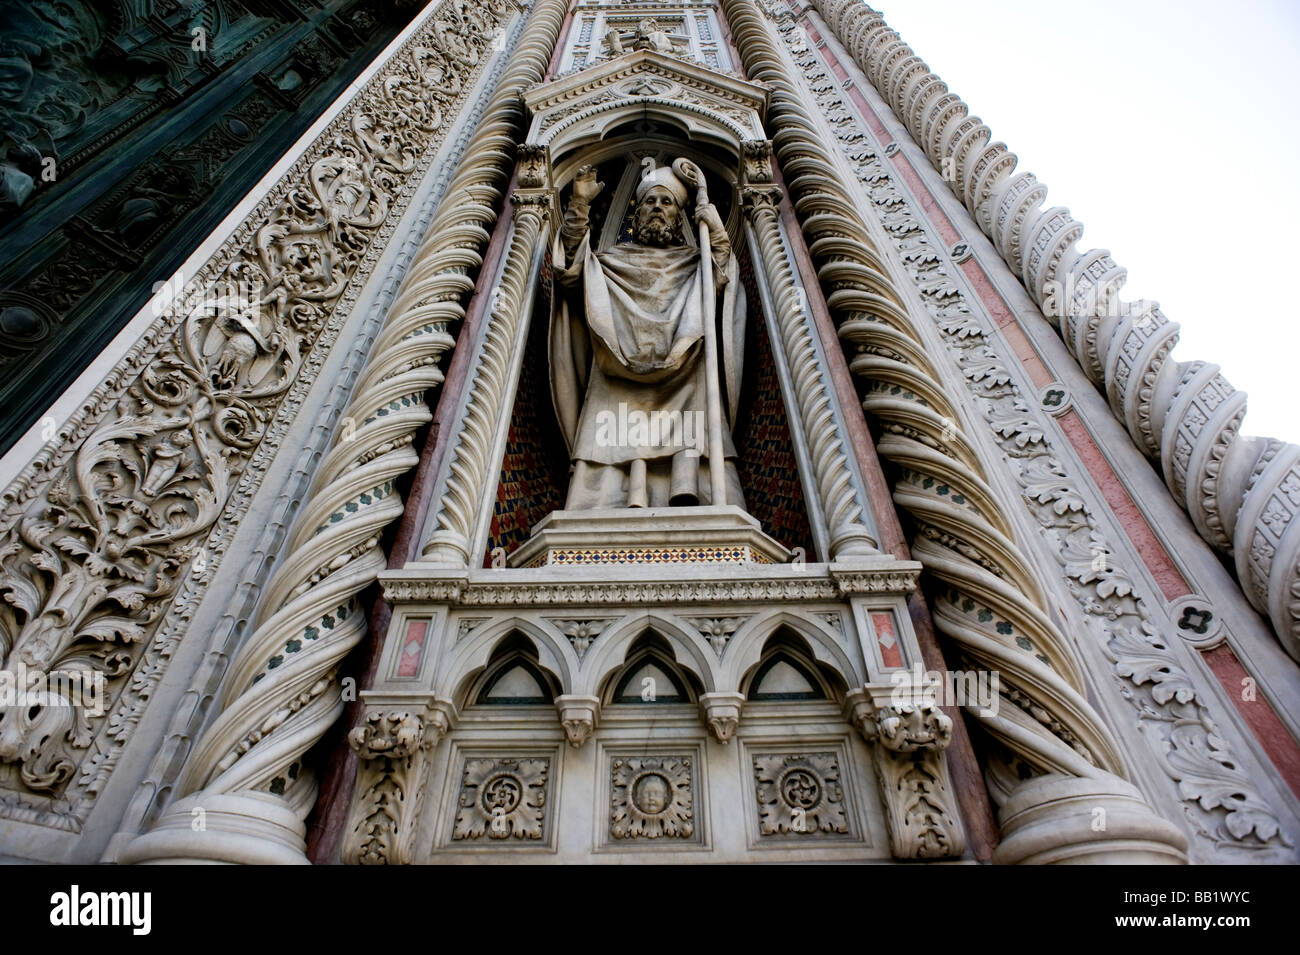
627, 349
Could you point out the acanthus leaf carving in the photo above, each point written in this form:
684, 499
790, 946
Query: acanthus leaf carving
94, 556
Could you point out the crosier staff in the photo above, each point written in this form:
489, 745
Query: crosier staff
689, 173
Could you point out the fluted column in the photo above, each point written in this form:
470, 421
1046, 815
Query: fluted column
1242, 493
838, 497
986, 598
282, 693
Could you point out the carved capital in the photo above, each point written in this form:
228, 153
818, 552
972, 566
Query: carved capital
760, 199
907, 727
578, 716
756, 158
390, 734
721, 712
534, 166
531, 202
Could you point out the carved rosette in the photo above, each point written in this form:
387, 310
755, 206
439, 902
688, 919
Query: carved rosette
274, 711
502, 799
391, 746
799, 795
1242, 493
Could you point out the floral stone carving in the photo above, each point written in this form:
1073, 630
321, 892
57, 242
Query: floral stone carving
799, 794
651, 798
502, 798
391, 745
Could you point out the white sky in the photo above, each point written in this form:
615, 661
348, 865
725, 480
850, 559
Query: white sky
1170, 130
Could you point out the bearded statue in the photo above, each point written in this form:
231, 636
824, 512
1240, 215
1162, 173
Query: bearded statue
627, 348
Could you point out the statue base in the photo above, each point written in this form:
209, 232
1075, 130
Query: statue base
649, 535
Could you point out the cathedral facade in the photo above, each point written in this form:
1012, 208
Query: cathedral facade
621, 431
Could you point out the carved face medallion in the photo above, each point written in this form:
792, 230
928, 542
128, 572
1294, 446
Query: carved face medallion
651, 798
650, 794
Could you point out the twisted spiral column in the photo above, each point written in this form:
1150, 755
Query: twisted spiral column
457, 507
244, 775
1242, 493
988, 601
839, 499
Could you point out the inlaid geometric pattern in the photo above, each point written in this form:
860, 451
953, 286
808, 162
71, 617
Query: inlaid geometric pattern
585, 556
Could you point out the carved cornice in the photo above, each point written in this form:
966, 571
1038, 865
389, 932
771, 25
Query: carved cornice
414, 584
1242, 493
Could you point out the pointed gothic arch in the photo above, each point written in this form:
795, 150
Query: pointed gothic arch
688, 649
747, 646
476, 654
650, 657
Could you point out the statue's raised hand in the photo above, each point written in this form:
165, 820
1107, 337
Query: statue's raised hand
585, 186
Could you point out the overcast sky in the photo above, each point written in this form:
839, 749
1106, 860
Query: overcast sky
1170, 130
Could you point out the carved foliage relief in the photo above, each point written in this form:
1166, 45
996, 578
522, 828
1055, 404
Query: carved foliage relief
502, 799
799, 795
651, 798
106, 541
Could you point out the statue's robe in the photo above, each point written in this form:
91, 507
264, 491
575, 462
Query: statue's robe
628, 372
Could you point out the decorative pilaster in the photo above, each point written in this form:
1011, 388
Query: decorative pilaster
836, 489
459, 505
986, 596
282, 693
1242, 493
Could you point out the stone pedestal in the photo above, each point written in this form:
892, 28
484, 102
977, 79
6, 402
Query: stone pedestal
653, 535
